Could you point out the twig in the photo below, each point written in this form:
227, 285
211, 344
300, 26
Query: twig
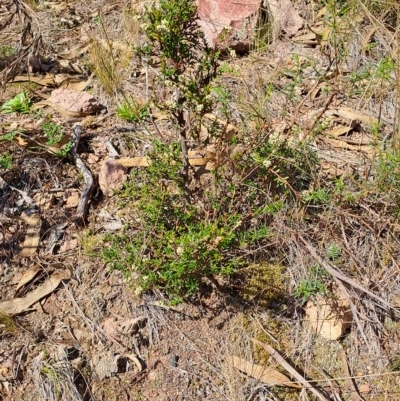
340, 276
87, 175
321, 113
292, 371
355, 395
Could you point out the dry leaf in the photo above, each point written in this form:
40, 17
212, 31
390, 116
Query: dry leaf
344, 145
265, 374
141, 161
196, 158
44, 201
48, 80
364, 388
18, 305
29, 275
351, 114
74, 52
71, 67
68, 245
340, 130
317, 89
135, 360
32, 237
110, 328
72, 199
92, 158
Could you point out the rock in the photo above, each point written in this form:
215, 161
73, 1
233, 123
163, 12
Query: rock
329, 315
104, 365
71, 199
228, 24
285, 18
364, 388
74, 101
112, 176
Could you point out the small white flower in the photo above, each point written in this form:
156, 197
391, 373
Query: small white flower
266, 163
199, 108
276, 138
170, 104
138, 291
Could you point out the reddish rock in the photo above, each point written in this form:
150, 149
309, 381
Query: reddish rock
74, 101
285, 18
232, 24
112, 177
227, 23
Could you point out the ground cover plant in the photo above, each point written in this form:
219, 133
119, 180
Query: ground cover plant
243, 195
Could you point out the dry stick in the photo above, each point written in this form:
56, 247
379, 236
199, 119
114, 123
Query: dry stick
292, 371
355, 395
353, 310
87, 175
340, 276
321, 113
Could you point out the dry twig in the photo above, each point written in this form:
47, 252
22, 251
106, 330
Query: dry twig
277, 356
87, 175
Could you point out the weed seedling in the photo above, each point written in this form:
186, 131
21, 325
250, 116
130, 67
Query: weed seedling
132, 110
20, 103
54, 134
5, 161
314, 284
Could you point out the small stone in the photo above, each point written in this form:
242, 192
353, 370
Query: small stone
112, 176
74, 101
72, 199
152, 376
228, 24
364, 388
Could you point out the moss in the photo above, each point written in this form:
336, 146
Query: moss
264, 284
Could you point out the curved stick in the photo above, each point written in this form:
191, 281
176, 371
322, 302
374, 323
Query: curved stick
87, 175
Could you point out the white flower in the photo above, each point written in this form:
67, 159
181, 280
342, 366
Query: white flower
199, 108
170, 104
266, 163
276, 138
138, 291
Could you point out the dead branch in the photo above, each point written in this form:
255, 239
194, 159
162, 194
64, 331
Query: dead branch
338, 275
292, 371
30, 40
87, 175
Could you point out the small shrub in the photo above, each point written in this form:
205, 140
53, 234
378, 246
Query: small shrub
7, 51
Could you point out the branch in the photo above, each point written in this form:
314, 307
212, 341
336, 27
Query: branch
87, 175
